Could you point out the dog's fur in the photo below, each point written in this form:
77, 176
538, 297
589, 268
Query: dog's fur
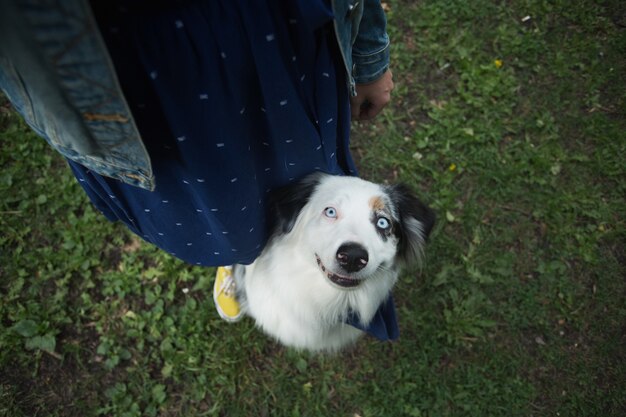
330, 256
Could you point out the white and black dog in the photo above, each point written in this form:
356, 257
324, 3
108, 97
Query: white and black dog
337, 247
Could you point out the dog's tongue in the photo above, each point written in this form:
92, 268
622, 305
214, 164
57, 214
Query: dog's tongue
384, 325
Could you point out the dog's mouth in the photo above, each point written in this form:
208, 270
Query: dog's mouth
341, 280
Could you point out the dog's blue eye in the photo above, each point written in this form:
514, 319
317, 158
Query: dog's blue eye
382, 223
330, 212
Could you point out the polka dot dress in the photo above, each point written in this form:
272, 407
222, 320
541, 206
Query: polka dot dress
232, 99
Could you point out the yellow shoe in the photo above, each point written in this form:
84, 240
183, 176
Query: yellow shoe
224, 295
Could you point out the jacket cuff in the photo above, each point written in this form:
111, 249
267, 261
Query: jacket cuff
368, 68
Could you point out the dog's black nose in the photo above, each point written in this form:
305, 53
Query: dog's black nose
352, 257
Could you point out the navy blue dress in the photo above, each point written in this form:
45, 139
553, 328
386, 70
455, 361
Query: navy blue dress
232, 98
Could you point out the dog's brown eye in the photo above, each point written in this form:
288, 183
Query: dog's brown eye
330, 212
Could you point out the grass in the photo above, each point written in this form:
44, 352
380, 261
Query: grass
513, 129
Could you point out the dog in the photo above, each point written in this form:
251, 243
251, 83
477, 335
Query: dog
337, 247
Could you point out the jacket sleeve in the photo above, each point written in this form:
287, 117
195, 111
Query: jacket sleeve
370, 52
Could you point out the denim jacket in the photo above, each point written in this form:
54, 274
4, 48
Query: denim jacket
57, 73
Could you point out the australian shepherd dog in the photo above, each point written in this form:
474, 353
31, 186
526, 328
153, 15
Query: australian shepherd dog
337, 248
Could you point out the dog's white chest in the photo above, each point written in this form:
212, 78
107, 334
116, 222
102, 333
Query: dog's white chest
291, 306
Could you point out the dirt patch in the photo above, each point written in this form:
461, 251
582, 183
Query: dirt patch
52, 387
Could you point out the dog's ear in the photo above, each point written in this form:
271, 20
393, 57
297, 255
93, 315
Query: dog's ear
287, 202
416, 221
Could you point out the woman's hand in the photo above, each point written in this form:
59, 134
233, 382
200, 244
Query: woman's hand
371, 98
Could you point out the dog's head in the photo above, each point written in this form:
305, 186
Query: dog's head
354, 229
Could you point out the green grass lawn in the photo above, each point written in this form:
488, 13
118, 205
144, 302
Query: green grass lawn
508, 118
